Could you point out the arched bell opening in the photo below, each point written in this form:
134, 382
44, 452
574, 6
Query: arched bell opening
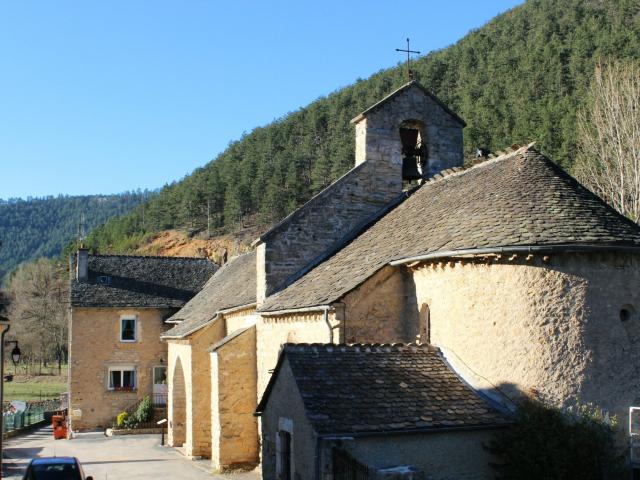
414, 152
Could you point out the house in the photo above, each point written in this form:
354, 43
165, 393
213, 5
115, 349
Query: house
373, 408
522, 278
118, 310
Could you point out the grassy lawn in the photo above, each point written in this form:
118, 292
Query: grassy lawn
33, 386
32, 390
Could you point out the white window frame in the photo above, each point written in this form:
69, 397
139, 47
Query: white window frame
135, 328
121, 369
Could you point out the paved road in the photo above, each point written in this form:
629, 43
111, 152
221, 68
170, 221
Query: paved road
110, 458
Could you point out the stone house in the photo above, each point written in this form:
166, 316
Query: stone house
375, 408
523, 279
118, 310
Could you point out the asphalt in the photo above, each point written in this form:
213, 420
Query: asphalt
109, 458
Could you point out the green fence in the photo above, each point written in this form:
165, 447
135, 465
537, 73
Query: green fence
18, 420
34, 413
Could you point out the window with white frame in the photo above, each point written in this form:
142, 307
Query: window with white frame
122, 378
128, 329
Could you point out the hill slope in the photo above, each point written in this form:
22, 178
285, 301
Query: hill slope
44, 226
520, 77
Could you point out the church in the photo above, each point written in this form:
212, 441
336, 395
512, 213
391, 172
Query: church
516, 277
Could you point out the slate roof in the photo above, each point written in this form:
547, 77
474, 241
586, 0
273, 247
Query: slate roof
234, 285
135, 281
382, 388
406, 86
520, 199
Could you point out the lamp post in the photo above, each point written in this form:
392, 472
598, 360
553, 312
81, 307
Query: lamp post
4, 324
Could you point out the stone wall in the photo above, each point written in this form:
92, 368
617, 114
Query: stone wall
318, 225
285, 409
273, 331
378, 134
94, 346
239, 319
545, 325
381, 310
179, 394
441, 456
195, 363
233, 381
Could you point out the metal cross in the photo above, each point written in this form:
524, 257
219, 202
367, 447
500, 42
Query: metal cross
409, 52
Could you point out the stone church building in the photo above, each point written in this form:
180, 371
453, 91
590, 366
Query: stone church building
526, 282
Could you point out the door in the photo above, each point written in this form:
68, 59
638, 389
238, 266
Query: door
160, 388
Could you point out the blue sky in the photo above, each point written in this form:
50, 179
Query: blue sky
106, 96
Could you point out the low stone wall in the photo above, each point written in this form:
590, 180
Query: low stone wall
115, 432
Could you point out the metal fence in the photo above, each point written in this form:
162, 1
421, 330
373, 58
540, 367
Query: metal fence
18, 420
345, 467
34, 413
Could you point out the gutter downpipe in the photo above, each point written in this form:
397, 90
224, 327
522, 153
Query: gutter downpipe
325, 316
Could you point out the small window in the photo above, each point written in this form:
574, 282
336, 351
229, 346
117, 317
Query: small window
128, 329
104, 280
122, 378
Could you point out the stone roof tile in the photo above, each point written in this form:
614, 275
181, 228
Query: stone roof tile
382, 388
520, 199
233, 285
140, 281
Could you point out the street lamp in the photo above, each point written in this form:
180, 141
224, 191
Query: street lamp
4, 324
15, 353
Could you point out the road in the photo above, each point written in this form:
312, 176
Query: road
105, 458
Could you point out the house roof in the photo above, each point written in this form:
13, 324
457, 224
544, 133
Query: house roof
234, 285
403, 88
136, 281
365, 389
520, 199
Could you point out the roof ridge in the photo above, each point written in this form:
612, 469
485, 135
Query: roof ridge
512, 151
360, 347
121, 255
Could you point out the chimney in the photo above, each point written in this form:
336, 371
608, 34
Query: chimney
82, 265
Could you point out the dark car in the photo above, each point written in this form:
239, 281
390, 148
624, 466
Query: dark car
55, 468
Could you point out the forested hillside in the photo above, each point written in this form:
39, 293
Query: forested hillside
521, 77
40, 227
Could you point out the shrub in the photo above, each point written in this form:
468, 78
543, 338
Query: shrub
545, 442
144, 413
122, 418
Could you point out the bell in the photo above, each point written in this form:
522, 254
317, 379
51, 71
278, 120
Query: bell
410, 169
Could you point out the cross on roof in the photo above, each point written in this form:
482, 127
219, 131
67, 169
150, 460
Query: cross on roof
409, 52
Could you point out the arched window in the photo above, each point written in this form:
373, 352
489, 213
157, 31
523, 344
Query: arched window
414, 150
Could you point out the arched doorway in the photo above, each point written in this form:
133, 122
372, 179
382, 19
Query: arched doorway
178, 406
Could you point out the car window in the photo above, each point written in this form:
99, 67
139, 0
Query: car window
60, 471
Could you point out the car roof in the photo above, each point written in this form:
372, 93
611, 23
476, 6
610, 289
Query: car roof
53, 460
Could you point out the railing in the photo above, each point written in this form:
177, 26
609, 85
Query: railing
33, 413
159, 402
345, 467
17, 420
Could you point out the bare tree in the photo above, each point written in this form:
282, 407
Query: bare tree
609, 137
38, 310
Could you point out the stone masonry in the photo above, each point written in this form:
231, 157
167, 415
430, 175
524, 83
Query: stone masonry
233, 394
550, 326
94, 345
374, 183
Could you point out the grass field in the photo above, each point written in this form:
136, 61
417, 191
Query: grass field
35, 387
33, 390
